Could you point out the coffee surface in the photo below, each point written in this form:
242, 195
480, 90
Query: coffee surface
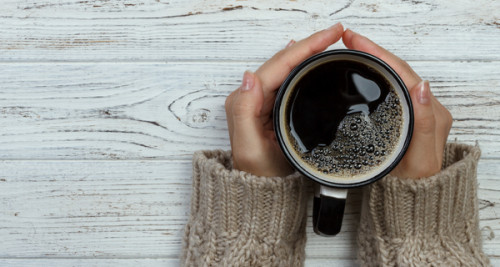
343, 118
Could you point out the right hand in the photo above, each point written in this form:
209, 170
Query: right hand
424, 156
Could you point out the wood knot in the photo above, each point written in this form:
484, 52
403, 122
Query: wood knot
199, 116
487, 233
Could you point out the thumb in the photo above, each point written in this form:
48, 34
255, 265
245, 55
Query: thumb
425, 121
422, 150
247, 105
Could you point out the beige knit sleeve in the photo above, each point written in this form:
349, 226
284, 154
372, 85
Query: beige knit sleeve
238, 219
427, 222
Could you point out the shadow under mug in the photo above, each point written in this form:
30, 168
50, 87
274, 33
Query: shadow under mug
331, 193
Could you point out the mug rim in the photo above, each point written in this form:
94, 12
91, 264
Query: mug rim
279, 136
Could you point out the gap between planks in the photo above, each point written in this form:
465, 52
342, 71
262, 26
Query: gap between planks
182, 160
225, 61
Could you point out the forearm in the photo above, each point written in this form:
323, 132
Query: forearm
238, 219
423, 222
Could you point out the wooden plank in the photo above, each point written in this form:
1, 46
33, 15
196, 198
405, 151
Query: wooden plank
141, 262
106, 213
90, 262
137, 209
330, 262
160, 111
156, 262
96, 30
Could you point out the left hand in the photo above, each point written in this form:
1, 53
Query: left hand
249, 108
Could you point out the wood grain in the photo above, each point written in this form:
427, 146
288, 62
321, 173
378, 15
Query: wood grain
89, 262
97, 30
153, 262
102, 104
138, 262
159, 111
137, 209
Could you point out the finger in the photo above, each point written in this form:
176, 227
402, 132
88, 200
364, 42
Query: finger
444, 121
357, 41
245, 115
421, 154
274, 71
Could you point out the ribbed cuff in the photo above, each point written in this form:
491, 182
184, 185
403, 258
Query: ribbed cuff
423, 222
238, 219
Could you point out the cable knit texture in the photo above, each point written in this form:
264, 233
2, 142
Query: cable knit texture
238, 219
426, 222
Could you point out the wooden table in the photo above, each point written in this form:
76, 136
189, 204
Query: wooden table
103, 102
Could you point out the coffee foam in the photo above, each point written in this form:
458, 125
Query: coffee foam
363, 142
365, 145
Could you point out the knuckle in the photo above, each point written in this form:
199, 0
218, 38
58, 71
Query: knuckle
280, 55
317, 44
241, 109
426, 124
285, 59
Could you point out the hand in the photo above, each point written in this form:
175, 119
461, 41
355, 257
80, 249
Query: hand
249, 108
433, 121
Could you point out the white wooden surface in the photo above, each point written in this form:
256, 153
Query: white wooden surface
103, 102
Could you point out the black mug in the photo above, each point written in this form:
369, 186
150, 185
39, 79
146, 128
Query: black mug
344, 119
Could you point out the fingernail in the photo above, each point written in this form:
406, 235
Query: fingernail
334, 26
247, 82
424, 93
290, 43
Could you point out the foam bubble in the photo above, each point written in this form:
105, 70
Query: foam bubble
362, 143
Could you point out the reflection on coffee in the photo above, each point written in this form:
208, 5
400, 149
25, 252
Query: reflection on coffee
343, 118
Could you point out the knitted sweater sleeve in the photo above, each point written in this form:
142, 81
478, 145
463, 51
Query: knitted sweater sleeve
238, 219
427, 222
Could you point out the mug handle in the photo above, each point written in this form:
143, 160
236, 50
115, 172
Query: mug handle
328, 210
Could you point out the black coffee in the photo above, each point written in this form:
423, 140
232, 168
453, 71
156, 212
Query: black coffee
343, 118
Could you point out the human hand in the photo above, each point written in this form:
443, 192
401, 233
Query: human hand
433, 121
249, 108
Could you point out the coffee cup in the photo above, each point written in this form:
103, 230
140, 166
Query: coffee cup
344, 119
